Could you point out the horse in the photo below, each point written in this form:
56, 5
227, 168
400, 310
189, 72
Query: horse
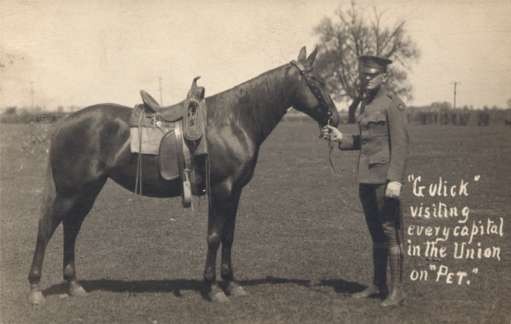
93, 144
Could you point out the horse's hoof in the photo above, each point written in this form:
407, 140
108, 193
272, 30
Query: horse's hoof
76, 290
219, 297
216, 295
233, 289
36, 297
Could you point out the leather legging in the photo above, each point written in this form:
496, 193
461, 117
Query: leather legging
384, 221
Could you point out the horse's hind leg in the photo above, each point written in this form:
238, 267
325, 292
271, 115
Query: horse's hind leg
70, 209
54, 210
72, 224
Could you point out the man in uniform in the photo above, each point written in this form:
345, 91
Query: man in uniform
383, 144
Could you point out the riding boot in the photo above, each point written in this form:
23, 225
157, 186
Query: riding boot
379, 285
396, 296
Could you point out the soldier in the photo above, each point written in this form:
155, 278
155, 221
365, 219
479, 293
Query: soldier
383, 144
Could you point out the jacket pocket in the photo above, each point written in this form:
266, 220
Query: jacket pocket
377, 125
379, 157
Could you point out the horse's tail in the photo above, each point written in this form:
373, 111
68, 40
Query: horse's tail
49, 190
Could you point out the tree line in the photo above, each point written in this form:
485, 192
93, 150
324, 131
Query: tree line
465, 116
434, 114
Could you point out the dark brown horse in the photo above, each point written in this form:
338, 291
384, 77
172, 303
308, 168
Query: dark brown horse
92, 145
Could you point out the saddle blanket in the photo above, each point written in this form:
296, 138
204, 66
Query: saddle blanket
146, 140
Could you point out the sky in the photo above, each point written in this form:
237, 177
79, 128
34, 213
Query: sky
73, 52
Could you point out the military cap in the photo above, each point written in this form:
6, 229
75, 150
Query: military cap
373, 64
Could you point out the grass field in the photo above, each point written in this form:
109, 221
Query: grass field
301, 243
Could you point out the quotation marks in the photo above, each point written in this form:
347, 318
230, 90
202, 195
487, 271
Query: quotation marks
412, 177
442, 273
474, 270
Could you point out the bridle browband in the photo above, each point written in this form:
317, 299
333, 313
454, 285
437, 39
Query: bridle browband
314, 88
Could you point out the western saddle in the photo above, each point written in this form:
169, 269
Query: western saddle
177, 135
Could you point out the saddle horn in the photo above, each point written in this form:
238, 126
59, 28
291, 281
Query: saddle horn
196, 90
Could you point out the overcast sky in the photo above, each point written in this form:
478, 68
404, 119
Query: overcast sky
87, 52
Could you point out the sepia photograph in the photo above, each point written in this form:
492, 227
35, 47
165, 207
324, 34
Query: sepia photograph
286, 161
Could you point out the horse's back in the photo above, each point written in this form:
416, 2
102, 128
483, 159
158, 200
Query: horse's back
93, 120
103, 110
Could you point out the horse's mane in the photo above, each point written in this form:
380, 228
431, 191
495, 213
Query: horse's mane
249, 81
256, 104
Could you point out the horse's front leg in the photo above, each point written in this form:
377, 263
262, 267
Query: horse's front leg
231, 286
220, 207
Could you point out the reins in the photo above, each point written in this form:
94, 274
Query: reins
138, 175
323, 102
331, 164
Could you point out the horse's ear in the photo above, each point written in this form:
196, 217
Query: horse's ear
303, 55
312, 55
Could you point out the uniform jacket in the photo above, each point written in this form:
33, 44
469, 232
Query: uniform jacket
382, 140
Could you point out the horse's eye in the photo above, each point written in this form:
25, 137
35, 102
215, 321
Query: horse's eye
316, 79
319, 81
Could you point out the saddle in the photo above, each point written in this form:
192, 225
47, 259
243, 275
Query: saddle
177, 135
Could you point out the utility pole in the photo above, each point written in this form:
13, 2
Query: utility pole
161, 95
32, 95
455, 83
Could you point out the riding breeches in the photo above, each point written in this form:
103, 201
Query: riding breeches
383, 216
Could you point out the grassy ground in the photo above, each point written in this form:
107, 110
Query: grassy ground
301, 243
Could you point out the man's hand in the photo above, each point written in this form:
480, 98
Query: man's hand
393, 189
331, 133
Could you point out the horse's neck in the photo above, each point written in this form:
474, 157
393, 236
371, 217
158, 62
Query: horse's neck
258, 104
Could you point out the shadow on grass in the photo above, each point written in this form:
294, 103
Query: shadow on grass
275, 281
341, 286
175, 286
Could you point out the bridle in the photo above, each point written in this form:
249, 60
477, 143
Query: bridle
315, 88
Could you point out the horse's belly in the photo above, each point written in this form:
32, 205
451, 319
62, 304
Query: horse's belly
152, 184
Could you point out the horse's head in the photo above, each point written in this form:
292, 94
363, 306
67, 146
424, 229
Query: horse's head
311, 96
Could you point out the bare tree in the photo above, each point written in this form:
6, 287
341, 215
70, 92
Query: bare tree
8, 60
5, 59
349, 35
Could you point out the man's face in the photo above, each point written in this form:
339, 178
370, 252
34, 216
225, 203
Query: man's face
371, 80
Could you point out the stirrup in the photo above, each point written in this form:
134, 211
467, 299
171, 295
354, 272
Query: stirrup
187, 190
